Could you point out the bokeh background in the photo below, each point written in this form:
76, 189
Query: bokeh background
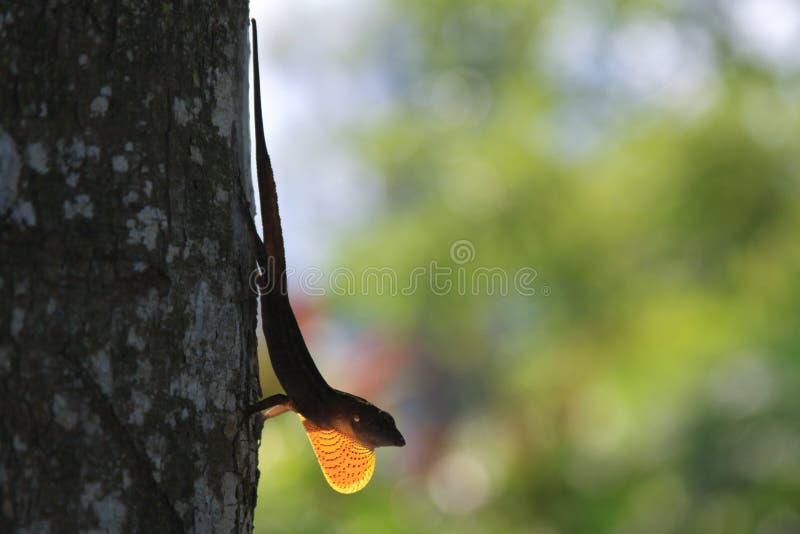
644, 158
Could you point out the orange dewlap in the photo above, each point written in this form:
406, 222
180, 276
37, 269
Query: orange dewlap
346, 464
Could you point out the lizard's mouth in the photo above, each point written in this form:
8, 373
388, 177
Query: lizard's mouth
392, 438
399, 440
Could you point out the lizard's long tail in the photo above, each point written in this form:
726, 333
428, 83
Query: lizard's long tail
268, 195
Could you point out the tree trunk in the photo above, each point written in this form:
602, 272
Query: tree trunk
127, 329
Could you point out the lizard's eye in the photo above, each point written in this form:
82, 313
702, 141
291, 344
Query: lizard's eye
356, 419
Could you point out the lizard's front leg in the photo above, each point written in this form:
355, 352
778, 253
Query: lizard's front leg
272, 406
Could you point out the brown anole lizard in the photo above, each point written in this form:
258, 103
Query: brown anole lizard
344, 429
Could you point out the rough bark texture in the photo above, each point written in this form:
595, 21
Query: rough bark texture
127, 330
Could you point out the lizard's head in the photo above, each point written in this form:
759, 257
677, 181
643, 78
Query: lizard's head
345, 444
367, 423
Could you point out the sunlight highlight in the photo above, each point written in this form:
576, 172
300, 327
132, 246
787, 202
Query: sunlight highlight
346, 464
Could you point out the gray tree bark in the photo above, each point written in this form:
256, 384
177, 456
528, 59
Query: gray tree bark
127, 329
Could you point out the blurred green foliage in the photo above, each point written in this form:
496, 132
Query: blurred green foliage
652, 383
